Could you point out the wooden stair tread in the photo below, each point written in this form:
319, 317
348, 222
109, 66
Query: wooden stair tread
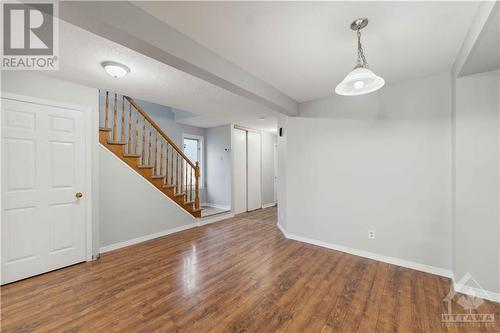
105, 129
189, 202
197, 210
157, 177
145, 166
111, 142
168, 186
180, 194
132, 155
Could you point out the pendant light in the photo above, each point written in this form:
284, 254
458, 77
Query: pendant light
361, 80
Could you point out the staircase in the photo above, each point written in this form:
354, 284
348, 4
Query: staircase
129, 133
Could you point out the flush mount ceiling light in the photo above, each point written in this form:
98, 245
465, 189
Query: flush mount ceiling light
361, 80
115, 69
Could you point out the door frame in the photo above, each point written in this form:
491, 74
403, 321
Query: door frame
259, 156
234, 128
233, 163
87, 116
275, 172
201, 153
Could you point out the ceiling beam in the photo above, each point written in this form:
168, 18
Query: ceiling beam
130, 26
483, 13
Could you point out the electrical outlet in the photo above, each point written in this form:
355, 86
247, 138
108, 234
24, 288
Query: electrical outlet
371, 234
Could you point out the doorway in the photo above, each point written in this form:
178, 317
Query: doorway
193, 147
247, 170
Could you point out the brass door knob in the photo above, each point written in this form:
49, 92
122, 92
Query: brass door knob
79, 195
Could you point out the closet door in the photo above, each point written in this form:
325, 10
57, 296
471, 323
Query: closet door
240, 170
254, 171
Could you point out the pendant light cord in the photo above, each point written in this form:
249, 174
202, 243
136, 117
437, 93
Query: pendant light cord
361, 62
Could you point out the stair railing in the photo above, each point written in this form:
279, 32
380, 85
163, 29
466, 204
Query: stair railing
143, 138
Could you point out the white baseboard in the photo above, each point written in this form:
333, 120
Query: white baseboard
141, 239
272, 204
477, 292
225, 207
281, 229
371, 255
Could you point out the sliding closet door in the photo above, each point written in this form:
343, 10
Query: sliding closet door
253, 170
240, 170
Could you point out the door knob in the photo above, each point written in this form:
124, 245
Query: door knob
79, 195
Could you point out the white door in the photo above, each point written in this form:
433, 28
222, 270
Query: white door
240, 170
43, 167
254, 171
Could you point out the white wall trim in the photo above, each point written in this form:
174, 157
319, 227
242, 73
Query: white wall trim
43, 101
476, 292
199, 223
370, 255
281, 229
141, 239
272, 204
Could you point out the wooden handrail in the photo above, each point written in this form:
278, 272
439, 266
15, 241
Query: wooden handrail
159, 130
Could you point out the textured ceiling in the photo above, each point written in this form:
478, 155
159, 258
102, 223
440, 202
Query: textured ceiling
81, 54
305, 48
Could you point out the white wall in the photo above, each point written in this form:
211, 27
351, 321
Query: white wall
377, 162
267, 187
282, 173
131, 207
164, 118
34, 84
477, 179
218, 165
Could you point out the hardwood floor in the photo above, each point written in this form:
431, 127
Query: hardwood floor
267, 215
237, 275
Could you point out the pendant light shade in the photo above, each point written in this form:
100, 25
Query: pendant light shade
361, 80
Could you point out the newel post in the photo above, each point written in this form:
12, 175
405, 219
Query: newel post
196, 186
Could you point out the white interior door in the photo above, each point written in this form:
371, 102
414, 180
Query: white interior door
240, 170
43, 167
254, 170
